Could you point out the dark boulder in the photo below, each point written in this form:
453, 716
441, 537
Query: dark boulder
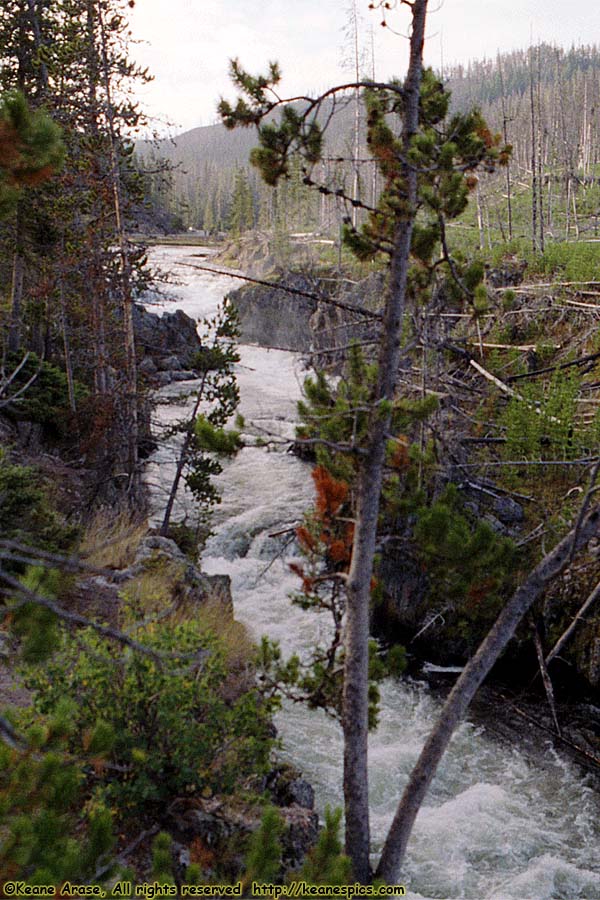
287, 787
222, 827
172, 337
271, 317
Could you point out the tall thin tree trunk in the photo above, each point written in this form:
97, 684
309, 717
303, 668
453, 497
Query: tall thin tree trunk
467, 685
374, 190
566, 151
534, 170
575, 216
65, 336
480, 217
131, 410
37, 37
98, 300
584, 133
505, 136
181, 461
540, 154
356, 149
356, 665
16, 290
546, 680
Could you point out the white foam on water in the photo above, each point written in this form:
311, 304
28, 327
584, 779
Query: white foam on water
493, 827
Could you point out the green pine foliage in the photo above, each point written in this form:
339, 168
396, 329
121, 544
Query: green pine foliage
541, 423
27, 512
464, 560
31, 148
326, 863
40, 393
48, 834
467, 563
176, 729
162, 858
205, 436
34, 624
242, 216
216, 440
263, 860
338, 415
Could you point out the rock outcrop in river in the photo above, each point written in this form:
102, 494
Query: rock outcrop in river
168, 345
298, 320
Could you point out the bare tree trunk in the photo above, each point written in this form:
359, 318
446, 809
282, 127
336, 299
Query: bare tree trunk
584, 133
98, 299
566, 149
65, 337
37, 37
575, 216
356, 665
534, 171
540, 154
131, 410
374, 189
16, 292
355, 178
505, 135
467, 685
480, 217
183, 455
547, 682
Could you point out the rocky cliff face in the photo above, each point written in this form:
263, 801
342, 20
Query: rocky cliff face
275, 317
272, 317
168, 345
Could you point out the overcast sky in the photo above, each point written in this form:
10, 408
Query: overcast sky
187, 44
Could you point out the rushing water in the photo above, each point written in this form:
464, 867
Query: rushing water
494, 825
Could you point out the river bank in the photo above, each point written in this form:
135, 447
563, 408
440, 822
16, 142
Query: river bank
495, 819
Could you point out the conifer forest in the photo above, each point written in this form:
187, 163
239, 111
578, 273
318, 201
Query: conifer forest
299, 450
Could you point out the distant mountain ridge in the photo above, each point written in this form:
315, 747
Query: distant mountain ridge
207, 158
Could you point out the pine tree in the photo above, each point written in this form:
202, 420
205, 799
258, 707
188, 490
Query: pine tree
74, 273
241, 215
31, 149
428, 168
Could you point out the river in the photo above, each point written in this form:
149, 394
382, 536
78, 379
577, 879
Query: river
494, 826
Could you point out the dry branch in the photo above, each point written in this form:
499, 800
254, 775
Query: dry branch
469, 682
566, 635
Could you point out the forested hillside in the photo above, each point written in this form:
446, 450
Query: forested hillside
211, 164
545, 102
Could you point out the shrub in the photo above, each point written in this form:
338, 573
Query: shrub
176, 728
542, 424
26, 513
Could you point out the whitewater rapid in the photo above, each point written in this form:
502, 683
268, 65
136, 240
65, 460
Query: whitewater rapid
494, 826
